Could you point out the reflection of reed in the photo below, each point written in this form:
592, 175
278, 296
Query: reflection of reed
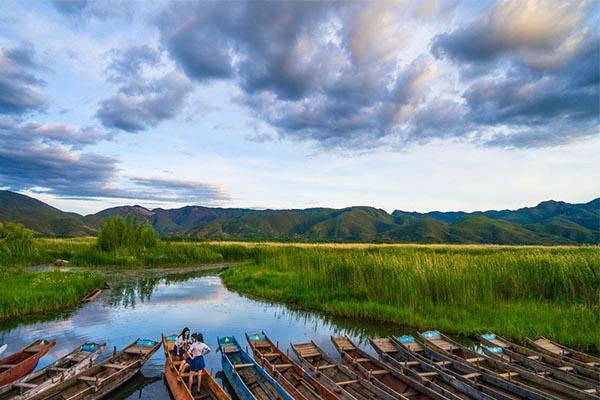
129, 289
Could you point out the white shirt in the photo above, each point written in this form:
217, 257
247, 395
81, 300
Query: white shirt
180, 341
199, 349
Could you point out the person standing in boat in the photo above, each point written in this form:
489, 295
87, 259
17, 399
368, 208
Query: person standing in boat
195, 361
182, 343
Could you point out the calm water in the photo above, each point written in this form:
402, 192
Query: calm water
144, 303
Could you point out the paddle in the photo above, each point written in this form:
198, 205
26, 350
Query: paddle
3, 348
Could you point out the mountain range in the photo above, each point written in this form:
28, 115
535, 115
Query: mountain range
550, 222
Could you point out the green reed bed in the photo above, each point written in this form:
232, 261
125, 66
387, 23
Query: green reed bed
515, 292
24, 292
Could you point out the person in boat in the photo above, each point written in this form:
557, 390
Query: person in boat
195, 361
182, 343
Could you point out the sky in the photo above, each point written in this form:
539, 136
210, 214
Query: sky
413, 105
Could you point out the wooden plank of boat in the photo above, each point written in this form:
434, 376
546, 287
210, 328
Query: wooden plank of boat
390, 379
102, 379
549, 347
178, 384
247, 378
23, 361
550, 387
65, 367
402, 359
579, 371
285, 371
91, 295
337, 377
507, 355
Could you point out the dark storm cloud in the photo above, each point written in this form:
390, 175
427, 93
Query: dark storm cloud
49, 158
19, 86
142, 102
530, 73
326, 71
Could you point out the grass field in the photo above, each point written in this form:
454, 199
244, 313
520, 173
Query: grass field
516, 292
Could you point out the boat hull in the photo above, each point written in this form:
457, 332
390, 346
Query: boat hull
22, 362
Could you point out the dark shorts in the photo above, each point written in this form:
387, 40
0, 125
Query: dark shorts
196, 364
178, 351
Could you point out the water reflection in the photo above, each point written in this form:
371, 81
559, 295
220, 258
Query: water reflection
146, 303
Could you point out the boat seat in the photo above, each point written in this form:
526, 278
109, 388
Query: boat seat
24, 385
471, 375
409, 363
310, 354
87, 379
533, 357
378, 372
326, 366
281, 366
347, 382
360, 360
566, 368
270, 354
509, 375
238, 366
442, 363
475, 359
262, 345
426, 374
592, 390
114, 366
57, 369
543, 373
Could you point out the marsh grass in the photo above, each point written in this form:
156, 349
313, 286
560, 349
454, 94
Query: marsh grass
23, 293
515, 292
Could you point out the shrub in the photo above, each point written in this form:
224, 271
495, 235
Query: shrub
118, 233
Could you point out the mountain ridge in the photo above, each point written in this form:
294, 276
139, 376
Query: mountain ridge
550, 222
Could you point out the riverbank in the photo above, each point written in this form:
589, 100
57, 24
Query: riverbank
23, 292
515, 292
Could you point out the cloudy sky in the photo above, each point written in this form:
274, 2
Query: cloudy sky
425, 105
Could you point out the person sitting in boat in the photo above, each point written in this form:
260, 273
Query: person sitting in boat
195, 361
182, 343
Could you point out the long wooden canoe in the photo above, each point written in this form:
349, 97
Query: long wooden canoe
412, 365
382, 375
247, 378
64, 368
99, 381
488, 383
178, 383
511, 357
337, 377
284, 370
549, 387
549, 347
570, 368
23, 361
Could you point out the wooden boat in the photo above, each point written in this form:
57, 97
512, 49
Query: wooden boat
382, 375
558, 350
549, 387
412, 365
64, 368
337, 377
99, 381
590, 374
247, 378
485, 382
178, 383
285, 371
23, 361
91, 295
511, 357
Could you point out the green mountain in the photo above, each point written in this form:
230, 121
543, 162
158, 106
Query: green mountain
550, 222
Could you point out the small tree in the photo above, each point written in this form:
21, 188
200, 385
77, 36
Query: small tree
126, 232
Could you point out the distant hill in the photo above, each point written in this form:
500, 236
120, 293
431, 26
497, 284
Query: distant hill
550, 222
